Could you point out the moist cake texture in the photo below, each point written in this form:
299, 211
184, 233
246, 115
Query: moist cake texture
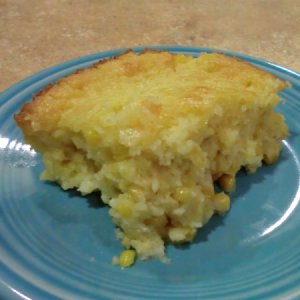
153, 132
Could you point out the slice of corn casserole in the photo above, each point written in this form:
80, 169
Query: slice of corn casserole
153, 132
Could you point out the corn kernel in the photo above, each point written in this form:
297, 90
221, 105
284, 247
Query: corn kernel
183, 194
227, 183
124, 210
127, 258
221, 203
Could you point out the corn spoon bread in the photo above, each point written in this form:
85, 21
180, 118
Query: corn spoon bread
153, 132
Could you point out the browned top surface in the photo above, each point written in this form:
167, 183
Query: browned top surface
134, 92
36, 34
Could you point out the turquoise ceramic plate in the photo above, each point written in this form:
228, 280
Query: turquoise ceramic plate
59, 245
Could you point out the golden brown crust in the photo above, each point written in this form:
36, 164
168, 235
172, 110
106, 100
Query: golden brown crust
246, 63
43, 91
106, 60
28, 108
20, 117
130, 68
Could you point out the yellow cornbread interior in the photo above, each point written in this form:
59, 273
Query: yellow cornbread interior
152, 132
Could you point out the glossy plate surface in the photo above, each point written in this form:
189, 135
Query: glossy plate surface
59, 245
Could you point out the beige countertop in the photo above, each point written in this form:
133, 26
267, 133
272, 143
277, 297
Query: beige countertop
36, 34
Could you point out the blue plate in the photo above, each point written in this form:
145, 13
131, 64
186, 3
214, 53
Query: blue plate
59, 245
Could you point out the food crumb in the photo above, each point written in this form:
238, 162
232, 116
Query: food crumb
125, 260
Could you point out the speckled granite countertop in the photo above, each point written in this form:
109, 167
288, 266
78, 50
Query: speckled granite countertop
36, 34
